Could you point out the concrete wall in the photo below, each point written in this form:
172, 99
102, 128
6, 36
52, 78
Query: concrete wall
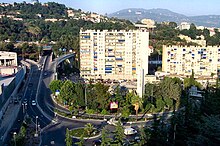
11, 90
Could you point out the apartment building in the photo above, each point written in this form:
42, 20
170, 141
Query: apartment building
8, 63
181, 60
113, 54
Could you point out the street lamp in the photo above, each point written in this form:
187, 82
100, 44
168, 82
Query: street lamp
23, 107
36, 124
85, 97
39, 129
15, 137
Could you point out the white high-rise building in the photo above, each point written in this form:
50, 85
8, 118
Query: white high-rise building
181, 60
113, 54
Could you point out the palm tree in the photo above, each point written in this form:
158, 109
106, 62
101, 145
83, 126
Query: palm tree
89, 128
136, 102
68, 138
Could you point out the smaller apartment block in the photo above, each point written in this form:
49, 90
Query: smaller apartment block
113, 54
181, 60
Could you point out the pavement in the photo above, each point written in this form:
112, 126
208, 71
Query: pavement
10, 116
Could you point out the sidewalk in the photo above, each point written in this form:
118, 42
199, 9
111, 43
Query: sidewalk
11, 113
8, 120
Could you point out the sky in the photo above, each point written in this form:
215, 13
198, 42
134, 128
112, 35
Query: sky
186, 7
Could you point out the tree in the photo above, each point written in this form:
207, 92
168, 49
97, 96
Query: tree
105, 139
68, 139
144, 135
100, 92
136, 102
119, 133
170, 89
125, 112
55, 85
67, 93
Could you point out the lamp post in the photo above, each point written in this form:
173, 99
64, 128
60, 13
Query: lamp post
15, 137
23, 107
85, 97
39, 129
36, 124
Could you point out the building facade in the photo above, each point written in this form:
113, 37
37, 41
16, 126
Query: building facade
8, 63
181, 60
113, 54
184, 25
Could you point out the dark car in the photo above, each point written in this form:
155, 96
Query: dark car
25, 100
19, 97
15, 101
30, 84
45, 73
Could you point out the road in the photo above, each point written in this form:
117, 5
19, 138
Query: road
29, 91
55, 132
52, 127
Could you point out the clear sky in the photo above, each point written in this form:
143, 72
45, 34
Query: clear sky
186, 7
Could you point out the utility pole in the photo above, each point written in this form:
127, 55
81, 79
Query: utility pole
15, 137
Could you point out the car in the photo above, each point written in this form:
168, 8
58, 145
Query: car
16, 101
33, 102
30, 84
45, 73
25, 100
137, 139
130, 131
19, 97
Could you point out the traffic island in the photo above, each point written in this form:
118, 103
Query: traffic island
86, 134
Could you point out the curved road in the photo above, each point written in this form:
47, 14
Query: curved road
54, 133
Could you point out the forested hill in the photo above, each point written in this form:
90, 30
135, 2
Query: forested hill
49, 22
44, 23
30, 11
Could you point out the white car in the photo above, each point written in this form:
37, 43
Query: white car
130, 131
33, 102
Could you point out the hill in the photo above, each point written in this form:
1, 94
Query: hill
160, 15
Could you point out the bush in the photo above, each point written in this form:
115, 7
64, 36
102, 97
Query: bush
90, 111
104, 112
